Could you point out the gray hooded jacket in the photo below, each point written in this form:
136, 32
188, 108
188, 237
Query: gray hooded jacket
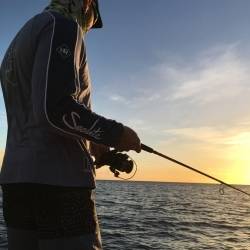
46, 87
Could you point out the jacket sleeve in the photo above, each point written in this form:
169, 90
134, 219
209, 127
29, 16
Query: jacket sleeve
54, 87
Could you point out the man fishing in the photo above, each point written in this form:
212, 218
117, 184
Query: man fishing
48, 174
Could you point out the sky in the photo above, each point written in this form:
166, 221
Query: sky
176, 71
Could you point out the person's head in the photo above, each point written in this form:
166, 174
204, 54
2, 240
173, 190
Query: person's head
86, 12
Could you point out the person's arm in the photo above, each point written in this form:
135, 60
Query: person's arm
54, 85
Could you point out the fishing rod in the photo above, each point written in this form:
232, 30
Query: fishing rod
151, 150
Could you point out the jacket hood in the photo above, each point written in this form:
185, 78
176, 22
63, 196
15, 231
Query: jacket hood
74, 9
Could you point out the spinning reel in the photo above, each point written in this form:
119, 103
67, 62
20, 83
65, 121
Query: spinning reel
117, 162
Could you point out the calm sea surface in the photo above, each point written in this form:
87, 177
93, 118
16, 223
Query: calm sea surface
143, 215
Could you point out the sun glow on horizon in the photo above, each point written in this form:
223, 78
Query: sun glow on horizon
239, 155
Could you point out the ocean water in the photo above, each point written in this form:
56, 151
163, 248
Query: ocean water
146, 215
143, 215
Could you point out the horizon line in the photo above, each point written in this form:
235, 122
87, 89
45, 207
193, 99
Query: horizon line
171, 182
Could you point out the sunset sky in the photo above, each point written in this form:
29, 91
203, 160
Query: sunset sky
177, 71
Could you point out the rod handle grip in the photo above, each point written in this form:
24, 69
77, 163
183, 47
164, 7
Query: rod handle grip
147, 148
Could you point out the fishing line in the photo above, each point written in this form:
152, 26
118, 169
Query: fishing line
151, 150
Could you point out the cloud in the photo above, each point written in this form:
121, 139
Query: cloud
119, 99
201, 134
216, 75
134, 101
242, 138
220, 73
238, 135
209, 91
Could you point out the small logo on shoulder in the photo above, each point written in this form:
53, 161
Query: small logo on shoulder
64, 51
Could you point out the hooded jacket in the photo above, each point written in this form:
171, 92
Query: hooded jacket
46, 88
